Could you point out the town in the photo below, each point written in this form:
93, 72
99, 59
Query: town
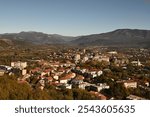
87, 73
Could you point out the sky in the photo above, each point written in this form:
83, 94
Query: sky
73, 17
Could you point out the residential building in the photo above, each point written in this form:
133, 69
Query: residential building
77, 57
20, 65
136, 63
24, 72
130, 84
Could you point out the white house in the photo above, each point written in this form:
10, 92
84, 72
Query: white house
63, 80
83, 85
68, 86
99, 73
56, 77
100, 86
103, 58
130, 84
24, 72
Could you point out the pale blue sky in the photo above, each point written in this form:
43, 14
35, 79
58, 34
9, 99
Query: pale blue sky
73, 17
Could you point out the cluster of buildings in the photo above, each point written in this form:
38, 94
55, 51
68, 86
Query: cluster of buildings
63, 74
4, 69
14, 65
63, 70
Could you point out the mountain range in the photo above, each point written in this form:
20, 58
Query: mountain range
118, 38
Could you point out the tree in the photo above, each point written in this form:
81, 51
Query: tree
79, 94
118, 91
12, 90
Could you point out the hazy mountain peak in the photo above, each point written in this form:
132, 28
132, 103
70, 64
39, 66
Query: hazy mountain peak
119, 37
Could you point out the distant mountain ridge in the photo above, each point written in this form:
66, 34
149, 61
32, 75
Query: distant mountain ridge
120, 37
35, 37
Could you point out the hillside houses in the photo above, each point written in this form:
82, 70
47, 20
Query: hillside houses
90, 72
93, 87
98, 71
13, 69
67, 78
77, 80
101, 58
98, 88
128, 83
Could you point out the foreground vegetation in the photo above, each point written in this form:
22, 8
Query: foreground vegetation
10, 89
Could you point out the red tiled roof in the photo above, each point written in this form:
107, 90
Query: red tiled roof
68, 76
99, 95
49, 78
35, 70
61, 69
47, 70
79, 77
